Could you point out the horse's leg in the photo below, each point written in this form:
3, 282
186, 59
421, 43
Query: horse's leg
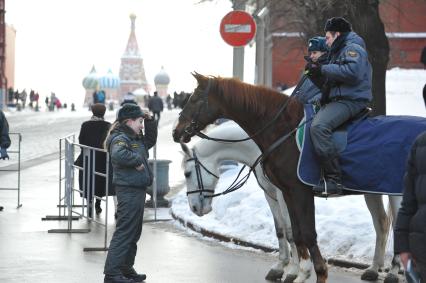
292, 268
296, 207
305, 211
305, 264
392, 276
277, 270
381, 222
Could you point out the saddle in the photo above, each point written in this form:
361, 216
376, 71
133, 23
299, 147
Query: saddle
372, 151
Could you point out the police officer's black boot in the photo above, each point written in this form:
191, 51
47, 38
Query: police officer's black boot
332, 176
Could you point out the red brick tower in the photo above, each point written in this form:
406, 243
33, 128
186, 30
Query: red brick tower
132, 72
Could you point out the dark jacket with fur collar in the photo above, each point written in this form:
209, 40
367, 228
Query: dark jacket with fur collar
128, 151
410, 227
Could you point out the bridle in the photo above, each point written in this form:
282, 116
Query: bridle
192, 128
198, 166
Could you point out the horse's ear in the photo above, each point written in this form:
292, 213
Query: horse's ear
185, 149
200, 78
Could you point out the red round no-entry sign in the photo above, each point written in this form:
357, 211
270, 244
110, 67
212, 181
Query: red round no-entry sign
237, 28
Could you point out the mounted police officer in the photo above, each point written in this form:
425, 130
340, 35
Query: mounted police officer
309, 90
345, 93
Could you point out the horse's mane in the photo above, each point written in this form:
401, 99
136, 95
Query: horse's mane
254, 99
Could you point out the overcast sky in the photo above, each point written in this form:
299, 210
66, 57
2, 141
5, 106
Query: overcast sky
58, 41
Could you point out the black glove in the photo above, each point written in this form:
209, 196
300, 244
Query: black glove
325, 90
3, 153
313, 69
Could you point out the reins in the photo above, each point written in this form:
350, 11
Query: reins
238, 183
277, 115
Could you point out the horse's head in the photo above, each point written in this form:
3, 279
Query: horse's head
201, 180
199, 111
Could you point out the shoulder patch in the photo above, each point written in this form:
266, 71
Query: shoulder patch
352, 53
134, 145
121, 143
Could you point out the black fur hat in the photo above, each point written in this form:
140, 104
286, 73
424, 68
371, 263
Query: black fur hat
338, 24
129, 111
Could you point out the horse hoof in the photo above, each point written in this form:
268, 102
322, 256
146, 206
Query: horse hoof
274, 275
391, 278
370, 275
290, 278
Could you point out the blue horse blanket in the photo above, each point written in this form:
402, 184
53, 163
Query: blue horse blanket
375, 156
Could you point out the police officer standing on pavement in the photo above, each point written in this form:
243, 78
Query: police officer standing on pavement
4, 139
345, 93
128, 149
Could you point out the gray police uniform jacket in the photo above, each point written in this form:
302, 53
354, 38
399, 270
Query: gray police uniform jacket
128, 151
349, 70
308, 93
410, 226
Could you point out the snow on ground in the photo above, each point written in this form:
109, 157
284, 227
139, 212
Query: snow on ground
344, 225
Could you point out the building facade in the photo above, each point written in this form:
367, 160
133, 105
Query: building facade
405, 27
10, 56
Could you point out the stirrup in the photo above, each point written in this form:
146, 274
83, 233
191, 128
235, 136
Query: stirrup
324, 191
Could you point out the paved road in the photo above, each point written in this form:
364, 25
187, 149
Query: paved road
167, 253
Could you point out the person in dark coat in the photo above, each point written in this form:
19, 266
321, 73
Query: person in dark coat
345, 93
93, 134
155, 105
423, 57
4, 136
128, 147
4, 139
410, 226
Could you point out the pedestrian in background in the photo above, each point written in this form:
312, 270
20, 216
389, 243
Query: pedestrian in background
4, 139
4, 136
155, 105
128, 148
93, 133
410, 226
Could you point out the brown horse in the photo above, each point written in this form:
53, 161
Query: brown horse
253, 108
268, 117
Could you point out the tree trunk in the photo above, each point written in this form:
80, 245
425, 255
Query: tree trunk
366, 21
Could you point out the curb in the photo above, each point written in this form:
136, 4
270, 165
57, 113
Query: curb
223, 238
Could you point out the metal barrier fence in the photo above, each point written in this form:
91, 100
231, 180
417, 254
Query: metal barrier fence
66, 201
62, 212
11, 168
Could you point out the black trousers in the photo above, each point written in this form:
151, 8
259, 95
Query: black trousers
123, 246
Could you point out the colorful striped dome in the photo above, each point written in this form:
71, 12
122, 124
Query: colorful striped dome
109, 81
91, 80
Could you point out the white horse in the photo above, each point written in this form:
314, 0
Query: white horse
209, 154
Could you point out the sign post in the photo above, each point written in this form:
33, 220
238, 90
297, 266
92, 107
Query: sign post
237, 29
